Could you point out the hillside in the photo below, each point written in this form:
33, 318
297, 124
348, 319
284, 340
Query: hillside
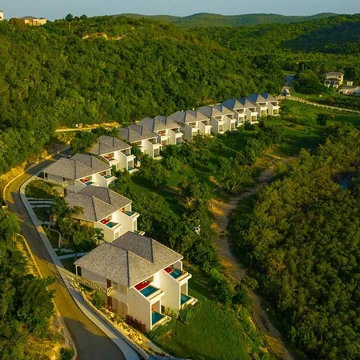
109, 69
217, 20
336, 34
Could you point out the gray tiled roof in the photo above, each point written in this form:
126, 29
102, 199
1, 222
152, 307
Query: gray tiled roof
187, 116
108, 144
143, 131
96, 202
268, 97
158, 123
130, 135
334, 73
129, 260
77, 167
234, 104
256, 98
215, 110
247, 103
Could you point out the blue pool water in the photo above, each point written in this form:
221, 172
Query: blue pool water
107, 176
184, 298
148, 290
89, 183
110, 224
176, 273
156, 317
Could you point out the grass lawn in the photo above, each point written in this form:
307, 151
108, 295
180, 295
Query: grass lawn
300, 129
40, 189
42, 213
213, 332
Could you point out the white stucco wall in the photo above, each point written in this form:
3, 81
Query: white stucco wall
171, 287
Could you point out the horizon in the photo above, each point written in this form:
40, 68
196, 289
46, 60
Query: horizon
58, 10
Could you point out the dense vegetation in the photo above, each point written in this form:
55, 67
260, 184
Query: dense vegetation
217, 20
26, 305
109, 69
302, 240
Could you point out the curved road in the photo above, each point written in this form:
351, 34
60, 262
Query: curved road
90, 341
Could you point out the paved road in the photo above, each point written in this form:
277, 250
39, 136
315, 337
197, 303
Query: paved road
90, 341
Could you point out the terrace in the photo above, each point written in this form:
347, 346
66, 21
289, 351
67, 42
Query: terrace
177, 274
110, 224
88, 181
147, 290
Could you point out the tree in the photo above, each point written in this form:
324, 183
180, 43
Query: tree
322, 119
69, 17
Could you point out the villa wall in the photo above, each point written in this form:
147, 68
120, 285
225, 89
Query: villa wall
128, 223
187, 131
171, 287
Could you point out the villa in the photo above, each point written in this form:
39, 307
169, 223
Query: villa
115, 152
140, 276
78, 172
334, 79
167, 130
221, 118
33, 21
238, 109
1, 15
272, 104
144, 139
192, 123
104, 209
260, 103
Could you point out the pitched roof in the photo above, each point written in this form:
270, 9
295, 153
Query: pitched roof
129, 259
143, 131
233, 104
96, 202
334, 73
247, 103
215, 110
129, 135
256, 98
108, 144
77, 167
268, 97
188, 116
158, 123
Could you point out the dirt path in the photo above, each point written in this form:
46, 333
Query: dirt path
234, 270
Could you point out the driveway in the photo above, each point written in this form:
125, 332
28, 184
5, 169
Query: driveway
90, 341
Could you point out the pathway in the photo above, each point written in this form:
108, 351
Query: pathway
236, 272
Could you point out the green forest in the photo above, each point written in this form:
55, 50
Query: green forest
301, 239
217, 20
25, 304
109, 69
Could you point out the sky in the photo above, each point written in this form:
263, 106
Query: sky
57, 9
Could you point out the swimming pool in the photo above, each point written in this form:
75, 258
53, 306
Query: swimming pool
107, 176
184, 299
89, 183
176, 273
111, 224
156, 317
148, 290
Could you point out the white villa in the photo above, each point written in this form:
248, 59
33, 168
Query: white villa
145, 140
106, 210
115, 152
192, 123
141, 277
260, 103
238, 109
221, 118
167, 130
272, 104
78, 172
251, 113
334, 79
1, 15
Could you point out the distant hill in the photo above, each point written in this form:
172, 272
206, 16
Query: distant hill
217, 20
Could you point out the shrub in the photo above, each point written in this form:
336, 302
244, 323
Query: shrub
136, 324
186, 314
97, 301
